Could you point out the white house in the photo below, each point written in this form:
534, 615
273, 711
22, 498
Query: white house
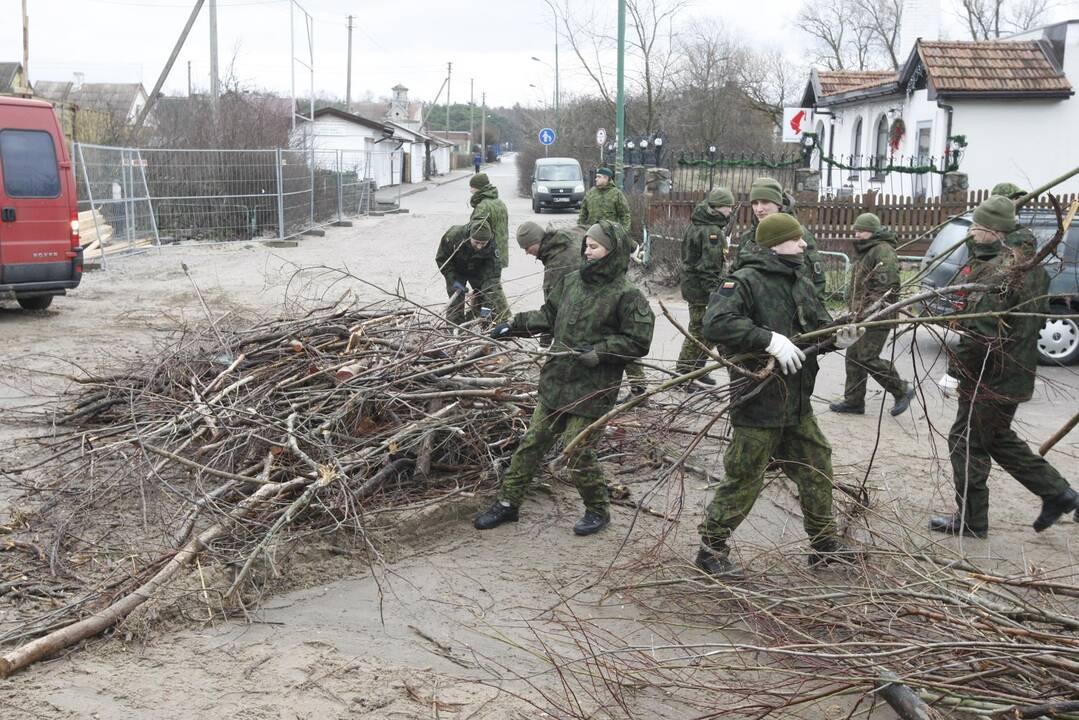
369, 148
1007, 107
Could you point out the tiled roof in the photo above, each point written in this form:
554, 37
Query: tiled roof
991, 67
833, 82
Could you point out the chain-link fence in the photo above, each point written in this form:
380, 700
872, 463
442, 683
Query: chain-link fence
130, 198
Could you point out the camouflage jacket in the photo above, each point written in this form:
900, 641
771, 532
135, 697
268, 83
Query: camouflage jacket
560, 252
604, 203
597, 307
814, 263
764, 296
485, 204
704, 249
458, 261
875, 271
997, 357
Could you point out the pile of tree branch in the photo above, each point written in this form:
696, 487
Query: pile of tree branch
236, 440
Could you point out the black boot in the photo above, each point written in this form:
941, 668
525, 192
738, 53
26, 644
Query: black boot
500, 512
847, 408
953, 525
903, 401
831, 550
718, 564
705, 379
591, 523
1053, 508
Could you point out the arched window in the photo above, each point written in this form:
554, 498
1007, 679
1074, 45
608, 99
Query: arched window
856, 142
880, 147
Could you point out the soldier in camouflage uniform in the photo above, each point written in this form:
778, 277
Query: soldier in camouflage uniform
873, 276
487, 207
1021, 237
604, 202
767, 198
704, 252
467, 257
559, 249
607, 202
756, 310
993, 371
599, 320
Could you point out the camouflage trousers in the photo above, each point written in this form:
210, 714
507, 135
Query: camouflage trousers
635, 373
486, 292
691, 356
804, 455
546, 426
863, 360
982, 432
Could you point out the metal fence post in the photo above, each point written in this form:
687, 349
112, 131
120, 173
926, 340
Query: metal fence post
149, 201
311, 170
280, 197
90, 194
340, 189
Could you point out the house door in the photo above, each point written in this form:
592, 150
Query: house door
406, 169
925, 132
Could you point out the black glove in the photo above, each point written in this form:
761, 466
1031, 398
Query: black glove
458, 286
587, 356
499, 331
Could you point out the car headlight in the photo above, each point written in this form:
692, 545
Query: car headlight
542, 189
579, 187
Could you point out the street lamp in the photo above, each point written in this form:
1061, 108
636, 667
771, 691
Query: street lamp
557, 103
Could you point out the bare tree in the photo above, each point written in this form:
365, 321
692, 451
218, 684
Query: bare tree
989, 19
853, 34
772, 81
650, 57
882, 19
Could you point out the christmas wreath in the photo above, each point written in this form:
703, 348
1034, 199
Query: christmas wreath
899, 129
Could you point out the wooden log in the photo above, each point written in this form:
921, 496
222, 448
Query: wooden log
102, 620
901, 698
1059, 435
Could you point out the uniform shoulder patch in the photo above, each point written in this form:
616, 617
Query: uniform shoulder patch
727, 287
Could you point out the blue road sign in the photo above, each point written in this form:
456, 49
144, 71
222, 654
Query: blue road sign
546, 136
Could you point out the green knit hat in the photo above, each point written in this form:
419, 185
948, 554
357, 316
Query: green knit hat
604, 170
529, 234
996, 213
776, 229
767, 188
721, 197
1008, 190
479, 181
867, 221
480, 230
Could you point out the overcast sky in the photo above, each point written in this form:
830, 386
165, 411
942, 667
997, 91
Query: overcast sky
394, 41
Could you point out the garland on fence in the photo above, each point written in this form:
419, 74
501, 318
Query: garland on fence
761, 163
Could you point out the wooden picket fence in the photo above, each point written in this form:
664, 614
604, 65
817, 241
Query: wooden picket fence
830, 220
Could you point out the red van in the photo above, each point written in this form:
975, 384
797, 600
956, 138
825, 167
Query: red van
40, 255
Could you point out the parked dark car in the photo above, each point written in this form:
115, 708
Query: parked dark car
1059, 340
40, 255
557, 183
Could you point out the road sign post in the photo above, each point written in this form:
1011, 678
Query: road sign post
547, 137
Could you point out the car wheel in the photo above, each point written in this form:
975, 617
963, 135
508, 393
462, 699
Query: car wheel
536, 207
39, 302
1058, 340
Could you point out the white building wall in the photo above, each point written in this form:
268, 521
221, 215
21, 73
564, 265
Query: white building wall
1027, 142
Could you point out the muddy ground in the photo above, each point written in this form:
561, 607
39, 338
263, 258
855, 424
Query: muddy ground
451, 626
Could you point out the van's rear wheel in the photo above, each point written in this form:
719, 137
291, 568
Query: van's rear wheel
38, 302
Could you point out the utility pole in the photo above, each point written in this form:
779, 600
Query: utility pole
483, 129
25, 46
620, 117
215, 88
348, 74
471, 111
168, 64
449, 73
189, 78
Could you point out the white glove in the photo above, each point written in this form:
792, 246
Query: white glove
847, 335
638, 255
786, 354
948, 385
